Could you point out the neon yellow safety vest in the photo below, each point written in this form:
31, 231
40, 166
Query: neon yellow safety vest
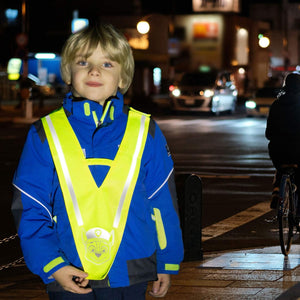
97, 214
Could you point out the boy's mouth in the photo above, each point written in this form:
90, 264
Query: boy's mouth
93, 84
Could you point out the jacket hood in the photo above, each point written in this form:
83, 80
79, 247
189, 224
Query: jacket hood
292, 83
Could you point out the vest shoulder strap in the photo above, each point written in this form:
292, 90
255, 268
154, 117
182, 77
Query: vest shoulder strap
139, 112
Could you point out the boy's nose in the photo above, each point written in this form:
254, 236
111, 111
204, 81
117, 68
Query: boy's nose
94, 70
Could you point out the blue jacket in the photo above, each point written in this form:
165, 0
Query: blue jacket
39, 209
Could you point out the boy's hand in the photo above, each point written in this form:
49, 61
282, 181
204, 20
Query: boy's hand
72, 280
161, 285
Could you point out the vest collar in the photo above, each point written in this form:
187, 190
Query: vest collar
91, 112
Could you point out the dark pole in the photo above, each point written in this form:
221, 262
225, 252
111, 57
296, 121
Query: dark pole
25, 32
285, 34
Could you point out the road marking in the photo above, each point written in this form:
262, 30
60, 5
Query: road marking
235, 221
223, 176
204, 123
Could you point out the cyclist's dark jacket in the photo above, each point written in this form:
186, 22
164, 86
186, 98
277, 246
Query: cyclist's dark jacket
283, 128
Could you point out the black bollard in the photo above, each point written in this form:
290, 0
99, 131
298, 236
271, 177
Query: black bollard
191, 218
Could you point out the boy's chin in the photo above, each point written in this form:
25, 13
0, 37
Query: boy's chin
95, 99
98, 101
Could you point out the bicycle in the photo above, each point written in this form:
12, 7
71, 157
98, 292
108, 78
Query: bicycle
286, 214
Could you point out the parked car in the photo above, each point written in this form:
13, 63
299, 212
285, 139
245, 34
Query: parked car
208, 91
259, 104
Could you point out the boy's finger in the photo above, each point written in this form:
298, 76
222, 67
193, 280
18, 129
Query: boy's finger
155, 287
74, 288
78, 273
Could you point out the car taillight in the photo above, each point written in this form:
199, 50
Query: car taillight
171, 88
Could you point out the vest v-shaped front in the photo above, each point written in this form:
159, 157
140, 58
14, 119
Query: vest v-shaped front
97, 214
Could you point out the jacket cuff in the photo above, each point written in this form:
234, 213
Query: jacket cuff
53, 266
167, 268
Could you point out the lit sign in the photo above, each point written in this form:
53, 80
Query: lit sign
14, 68
11, 14
44, 55
157, 76
204, 68
207, 30
78, 24
216, 5
173, 46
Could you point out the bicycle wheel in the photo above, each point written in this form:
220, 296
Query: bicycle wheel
285, 215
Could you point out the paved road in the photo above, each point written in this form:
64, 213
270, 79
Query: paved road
230, 155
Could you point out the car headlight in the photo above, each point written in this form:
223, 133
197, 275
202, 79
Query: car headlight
250, 104
176, 92
208, 93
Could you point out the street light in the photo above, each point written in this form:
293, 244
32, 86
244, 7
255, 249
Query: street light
263, 41
143, 27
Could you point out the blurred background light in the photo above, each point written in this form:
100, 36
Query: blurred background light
79, 23
143, 27
44, 56
264, 42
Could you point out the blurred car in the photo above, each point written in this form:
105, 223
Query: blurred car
208, 90
35, 89
259, 104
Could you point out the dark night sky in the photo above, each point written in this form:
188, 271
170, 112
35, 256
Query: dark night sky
49, 21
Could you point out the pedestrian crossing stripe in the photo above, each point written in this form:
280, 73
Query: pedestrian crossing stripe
235, 221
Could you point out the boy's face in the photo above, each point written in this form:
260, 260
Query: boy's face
95, 77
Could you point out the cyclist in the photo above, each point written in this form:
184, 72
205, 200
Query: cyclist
283, 131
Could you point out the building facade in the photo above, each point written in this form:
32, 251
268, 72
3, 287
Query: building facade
283, 21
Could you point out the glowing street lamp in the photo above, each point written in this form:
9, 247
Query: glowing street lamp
143, 27
263, 41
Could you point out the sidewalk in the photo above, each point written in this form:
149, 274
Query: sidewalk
9, 112
261, 273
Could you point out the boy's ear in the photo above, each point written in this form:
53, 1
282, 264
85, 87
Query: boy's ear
68, 80
121, 84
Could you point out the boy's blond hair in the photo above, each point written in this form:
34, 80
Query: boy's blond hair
112, 42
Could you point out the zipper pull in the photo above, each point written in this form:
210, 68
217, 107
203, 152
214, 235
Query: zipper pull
100, 123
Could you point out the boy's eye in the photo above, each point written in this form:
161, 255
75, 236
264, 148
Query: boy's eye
82, 63
107, 65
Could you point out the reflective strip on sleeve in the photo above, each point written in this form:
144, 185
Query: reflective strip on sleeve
166, 180
161, 235
52, 264
171, 267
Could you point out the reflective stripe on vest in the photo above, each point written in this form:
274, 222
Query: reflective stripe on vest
97, 214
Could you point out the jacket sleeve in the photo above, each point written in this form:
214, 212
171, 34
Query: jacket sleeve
272, 121
163, 197
32, 206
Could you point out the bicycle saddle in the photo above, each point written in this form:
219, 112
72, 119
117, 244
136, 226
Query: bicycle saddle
288, 168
